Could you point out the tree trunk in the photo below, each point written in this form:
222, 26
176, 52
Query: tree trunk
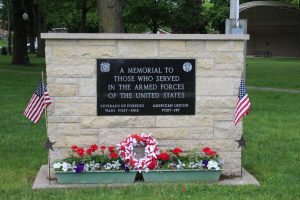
41, 28
83, 16
110, 16
32, 28
9, 28
20, 34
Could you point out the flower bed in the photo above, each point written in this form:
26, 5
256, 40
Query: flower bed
121, 158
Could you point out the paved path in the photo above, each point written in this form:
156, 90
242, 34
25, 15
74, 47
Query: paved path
275, 89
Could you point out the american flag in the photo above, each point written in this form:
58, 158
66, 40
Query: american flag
243, 104
38, 102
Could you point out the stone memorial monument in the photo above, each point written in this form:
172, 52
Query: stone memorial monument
182, 88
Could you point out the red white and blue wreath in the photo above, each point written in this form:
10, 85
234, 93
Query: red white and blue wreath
126, 151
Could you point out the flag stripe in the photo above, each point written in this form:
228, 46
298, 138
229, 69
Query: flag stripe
39, 101
243, 105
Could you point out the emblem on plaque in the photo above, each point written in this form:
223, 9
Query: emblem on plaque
105, 67
187, 67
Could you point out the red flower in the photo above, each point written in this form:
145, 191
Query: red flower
212, 153
74, 147
132, 163
103, 147
94, 147
113, 155
89, 151
80, 151
152, 165
208, 151
164, 156
137, 137
111, 148
177, 151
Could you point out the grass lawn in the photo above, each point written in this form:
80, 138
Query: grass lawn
274, 72
272, 131
3, 43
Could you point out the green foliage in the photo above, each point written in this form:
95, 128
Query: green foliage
67, 14
182, 16
188, 17
216, 14
150, 13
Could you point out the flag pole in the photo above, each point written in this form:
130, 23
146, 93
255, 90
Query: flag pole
46, 121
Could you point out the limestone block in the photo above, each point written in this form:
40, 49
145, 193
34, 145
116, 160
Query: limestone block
89, 131
51, 109
174, 46
207, 73
232, 167
200, 133
84, 51
75, 99
224, 45
234, 66
97, 42
220, 145
62, 43
62, 90
170, 133
58, 154
204, 63
215, 86
117, 121
67, 81
63, 129
113, 136
48, 54
233, 154
71, 61
87, 86
75, 109
80, 140
175, 54
63, 119
195, 46
216, 102
224, 117
229, 58
215, 111
184, 121
227, 130
137, 49
71, 71
51, 80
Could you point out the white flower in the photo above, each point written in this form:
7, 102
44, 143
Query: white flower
66, 166
213, 165
57, 165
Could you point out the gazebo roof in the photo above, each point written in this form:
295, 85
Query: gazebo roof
270, 16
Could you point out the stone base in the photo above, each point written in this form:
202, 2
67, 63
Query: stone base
42, 181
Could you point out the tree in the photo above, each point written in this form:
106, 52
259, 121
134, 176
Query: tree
20, 36
110, 16
217, 14
151, 13
188, 17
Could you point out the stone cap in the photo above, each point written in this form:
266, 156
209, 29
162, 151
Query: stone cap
131, 36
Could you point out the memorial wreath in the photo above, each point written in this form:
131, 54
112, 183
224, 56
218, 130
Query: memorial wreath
126, 151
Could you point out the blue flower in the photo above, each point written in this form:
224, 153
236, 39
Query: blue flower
204, 163
79, 167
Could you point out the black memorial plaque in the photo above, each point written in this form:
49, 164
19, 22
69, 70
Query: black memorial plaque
145, 86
